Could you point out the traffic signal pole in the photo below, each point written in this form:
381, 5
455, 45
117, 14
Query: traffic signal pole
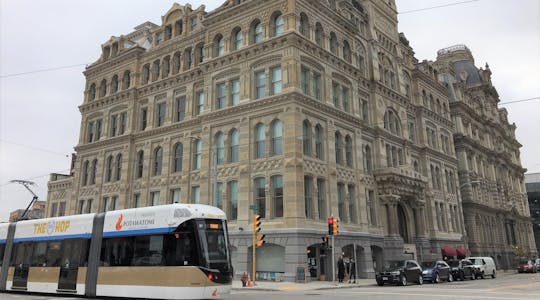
333, 261
254, 258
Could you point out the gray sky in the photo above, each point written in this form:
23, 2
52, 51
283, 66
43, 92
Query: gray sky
39, 117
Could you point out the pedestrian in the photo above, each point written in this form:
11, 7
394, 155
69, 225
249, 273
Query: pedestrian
352, 271
341, 269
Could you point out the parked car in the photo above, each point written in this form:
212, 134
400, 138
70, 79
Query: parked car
400, 272
484, 266
462, 269
537, 263
527, 266
435, 271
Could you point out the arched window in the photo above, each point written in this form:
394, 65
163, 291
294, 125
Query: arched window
178, 27
145, 74
109, 169
339, 148
219, 45
166, 66
319, 153
303, 26
220, 148
431, 102
200, 53
306, 130
260, 141
158, 160
392, 122
155, 70
140, 164
438, 107
333, 43
277, 137
386, 70
103, 88
234, 142
406, 84
126, 80
260, 195
177, 58
118, 167
92, 92
93, 172
277, 24
237, 39
188, 60
114, 84
346, 51
256, 32
197, 154
178, 157
348, 151
84, 173
319, 33
361, 58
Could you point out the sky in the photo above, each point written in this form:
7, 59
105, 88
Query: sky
39, 117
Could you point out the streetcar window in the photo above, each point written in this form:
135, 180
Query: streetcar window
39, 256
213, 243
54, 253
21, 253
117, 251
148, 251
2, 247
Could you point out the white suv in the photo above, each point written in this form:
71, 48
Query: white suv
484, 266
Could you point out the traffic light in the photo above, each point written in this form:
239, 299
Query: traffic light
335, 228
330, 226
259, 238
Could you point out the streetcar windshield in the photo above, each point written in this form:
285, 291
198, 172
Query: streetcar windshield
214, 244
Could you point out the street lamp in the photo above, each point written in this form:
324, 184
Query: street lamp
213, 153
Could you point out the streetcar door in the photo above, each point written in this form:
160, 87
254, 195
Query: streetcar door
69, 266
21, 261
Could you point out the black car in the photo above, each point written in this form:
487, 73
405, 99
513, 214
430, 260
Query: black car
435, 271
400, 272
462, 269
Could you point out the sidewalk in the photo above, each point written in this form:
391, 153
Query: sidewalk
293, 286
317, 285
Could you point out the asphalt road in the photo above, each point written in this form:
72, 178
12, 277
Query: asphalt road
507, 286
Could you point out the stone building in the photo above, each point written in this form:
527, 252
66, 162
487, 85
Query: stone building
532, 183
298, 110
37, 211
491, 177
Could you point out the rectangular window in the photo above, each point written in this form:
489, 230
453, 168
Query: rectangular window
81, 207
308, 197
193, 23
144, 117
136, 200
154, 197
62, 209
260, 85
195, 194
98, 130
90, 129
412, 135
341, 201
277, 187
365, 112
89, 204
218, 201
233, 200
221, 96
123, 120
199, 103
352, 204
260, 196
345, 98
276, 80
372, 208
115, 203
304, 79
114, 125
176, 196
321, 198
105, 204
180, 108
335, 94
235, 92
160, 115
54, 209
316, 86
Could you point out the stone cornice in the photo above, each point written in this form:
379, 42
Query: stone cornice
384, 91
128, 56
432, 83
436, 117
99, 103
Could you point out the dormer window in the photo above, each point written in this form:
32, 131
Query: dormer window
178, 27
106, 52
193, 23
114, 49
168, 32
159, 38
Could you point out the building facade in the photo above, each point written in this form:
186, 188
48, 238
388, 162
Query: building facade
296, 110
491, 177
532, 183
37, 211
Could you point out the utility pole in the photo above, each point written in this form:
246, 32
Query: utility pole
26, 183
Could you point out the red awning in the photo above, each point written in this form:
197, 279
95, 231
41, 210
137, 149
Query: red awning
461, 252
448, 251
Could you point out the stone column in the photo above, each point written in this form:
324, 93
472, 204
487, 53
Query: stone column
419, 221
391, 202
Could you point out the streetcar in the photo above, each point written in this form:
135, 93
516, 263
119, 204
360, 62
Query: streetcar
176, 251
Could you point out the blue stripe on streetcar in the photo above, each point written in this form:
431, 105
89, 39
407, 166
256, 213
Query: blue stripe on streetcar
2, 241
138, 231
53, 237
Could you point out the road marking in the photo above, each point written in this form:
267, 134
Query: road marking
509, 287
438, 295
